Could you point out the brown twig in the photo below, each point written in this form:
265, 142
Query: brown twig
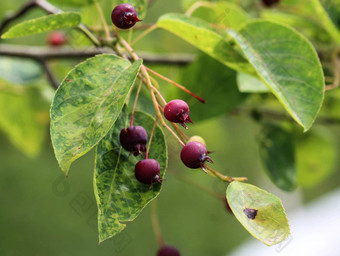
15, 15
49, 74
35, 52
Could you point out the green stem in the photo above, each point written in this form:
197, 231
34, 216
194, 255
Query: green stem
151, 89
135, 103
155, 223
199, 186
150, 140
143, 34
94, 39
102, 18
222, 177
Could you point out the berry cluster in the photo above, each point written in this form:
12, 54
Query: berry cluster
134, 139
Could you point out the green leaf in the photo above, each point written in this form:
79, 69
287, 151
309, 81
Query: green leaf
213, 81
120, 197
316, 157
270, 225
140, 6
328, 13
305, 24
201, 35
87, 104
288, 64
227, 14
75, 3
251, 84
24, 117
19, 71
277, 154
43, 24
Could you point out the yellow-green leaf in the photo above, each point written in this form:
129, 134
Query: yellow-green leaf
87, 104
200, 34
43, 24
260, 212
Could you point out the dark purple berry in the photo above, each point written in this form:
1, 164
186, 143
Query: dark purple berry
124, 16
166, 250
177, 111
270, 3
147, 171
134, 139
194, 154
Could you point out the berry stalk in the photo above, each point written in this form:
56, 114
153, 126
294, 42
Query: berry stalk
102, 19
135, 103
222, 177
151, 88
155, 223
176, 84
144, 33
150, 140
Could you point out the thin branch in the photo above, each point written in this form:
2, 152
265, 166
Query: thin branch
199, 186
155, 223
13, 16
150, 140
50, 9
135, 102
35, 52
103, 21
222, 177
47, 7
152, 92
49, 74
47, 53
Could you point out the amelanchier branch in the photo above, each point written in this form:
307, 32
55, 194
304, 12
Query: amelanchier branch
34, 52
13, 16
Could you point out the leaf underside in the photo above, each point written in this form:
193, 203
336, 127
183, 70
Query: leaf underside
288, 64
269, 224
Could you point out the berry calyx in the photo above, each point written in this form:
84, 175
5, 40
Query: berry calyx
124, 16
166, 250
134, 139
56, 38
147, 171
177, 111
270, 3
194, 155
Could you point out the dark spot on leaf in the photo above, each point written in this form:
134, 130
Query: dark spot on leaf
250, 213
